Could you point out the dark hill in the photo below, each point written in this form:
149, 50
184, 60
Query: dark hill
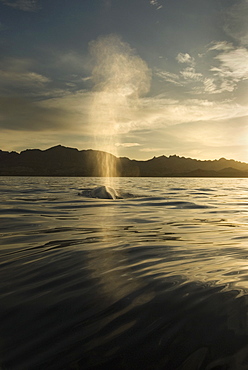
64, 161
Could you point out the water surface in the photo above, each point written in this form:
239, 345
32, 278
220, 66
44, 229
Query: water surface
157, 280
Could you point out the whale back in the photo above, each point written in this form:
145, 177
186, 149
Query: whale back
104, 192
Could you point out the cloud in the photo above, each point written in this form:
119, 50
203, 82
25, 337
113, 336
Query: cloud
215, 86
233, 64
209, 85
20, 115
186, 76
219, 133
28, 78
72, 61
235, 23
168, 76
185, 58
120, 79
17, 76
25, 5
21, 77
202, 139
72, 112
156, 4
151, 150
127, 145
220, 45
159, 112
231, 69
189, 73
86, 78
157, 122
152, 113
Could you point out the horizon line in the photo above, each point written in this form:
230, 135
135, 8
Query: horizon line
133, 159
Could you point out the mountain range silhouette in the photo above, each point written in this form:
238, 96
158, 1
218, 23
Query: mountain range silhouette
65, 161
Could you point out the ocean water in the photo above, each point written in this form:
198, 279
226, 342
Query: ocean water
156, 280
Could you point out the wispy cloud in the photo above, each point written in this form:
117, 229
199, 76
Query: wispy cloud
160, 112
25, 5
220, 45
168, 76
156, 4
26, 78
189, 73
209, 85
185, 58
72, 112
152, 150
127, 145
23, 115
18, 73
236, 24
234, 64
229, 67
190, 78
22, 77
157, 116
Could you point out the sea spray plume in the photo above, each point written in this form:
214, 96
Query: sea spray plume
120, 77
117, 69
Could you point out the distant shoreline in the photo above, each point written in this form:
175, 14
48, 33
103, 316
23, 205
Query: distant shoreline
105, 177
60, 161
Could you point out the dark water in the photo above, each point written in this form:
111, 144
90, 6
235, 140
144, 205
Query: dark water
155, 281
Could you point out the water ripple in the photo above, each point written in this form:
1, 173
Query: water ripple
157, 281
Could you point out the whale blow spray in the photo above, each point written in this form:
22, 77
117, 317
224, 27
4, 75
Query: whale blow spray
120, 77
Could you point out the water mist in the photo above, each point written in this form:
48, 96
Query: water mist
120, 77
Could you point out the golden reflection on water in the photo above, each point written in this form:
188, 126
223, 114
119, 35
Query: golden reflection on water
208, 246
117, 278
110, 265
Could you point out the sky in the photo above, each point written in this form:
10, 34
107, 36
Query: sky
137, 78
